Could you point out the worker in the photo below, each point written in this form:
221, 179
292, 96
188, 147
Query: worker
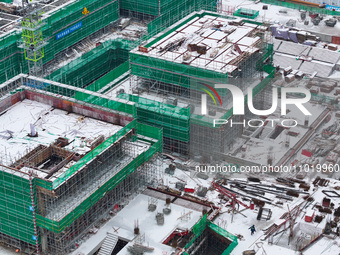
252, 229
17, 250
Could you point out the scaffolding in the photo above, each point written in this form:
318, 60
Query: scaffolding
62, 28
67, 26
161, 78
33, 41
304, 7
97, 62
68, 203
174, 120
246, 13
208, 237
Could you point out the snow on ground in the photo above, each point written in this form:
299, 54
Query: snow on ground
294, 113
324, 246
239, 224
7, 251
335, 75
258, 147
124, 222
273, 15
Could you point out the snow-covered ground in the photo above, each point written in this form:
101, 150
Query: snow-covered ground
124, 222
273, 15
7, 251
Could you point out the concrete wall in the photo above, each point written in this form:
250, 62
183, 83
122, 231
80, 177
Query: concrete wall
60, 103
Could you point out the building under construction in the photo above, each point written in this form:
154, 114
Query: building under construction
60, 175
93, 91
60, 178
174, 70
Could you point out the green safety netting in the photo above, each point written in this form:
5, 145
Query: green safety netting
91, 97
16, 214
101, 13
178, 11
159, 7
246, 13
15, 199
174, 120
114, 76
172, 72
96, 62
142, 129
204, 223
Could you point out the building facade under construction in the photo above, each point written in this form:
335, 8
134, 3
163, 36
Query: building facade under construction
61, 174
173, 71
58, 181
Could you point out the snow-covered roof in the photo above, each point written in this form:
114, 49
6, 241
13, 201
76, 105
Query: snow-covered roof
325, 55
224, 42
284, 60
49, 123
323, 69
291, 48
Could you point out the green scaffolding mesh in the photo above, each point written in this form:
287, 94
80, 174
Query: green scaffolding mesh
246, 13
204, 223
102, 13
160, 7
174, 120
113, 75
143, 130
16, 215
96, 62
178, 11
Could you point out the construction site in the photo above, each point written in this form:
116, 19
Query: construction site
169, 127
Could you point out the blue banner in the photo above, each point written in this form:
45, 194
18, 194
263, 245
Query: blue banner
69, 30
333, 7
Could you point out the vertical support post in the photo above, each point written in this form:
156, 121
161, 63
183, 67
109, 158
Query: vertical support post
130, 74
33, 210
159, 7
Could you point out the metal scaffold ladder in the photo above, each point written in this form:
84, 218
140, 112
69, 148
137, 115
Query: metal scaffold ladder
108, 245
